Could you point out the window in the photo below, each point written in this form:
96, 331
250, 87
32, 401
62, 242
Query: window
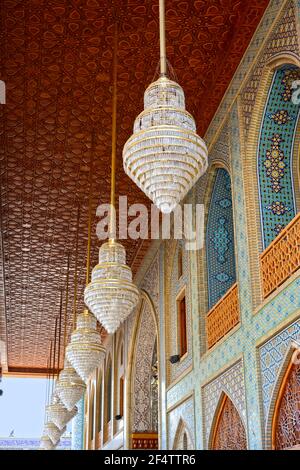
109, 392
180, 262
121, 396
100, 406
92, 414
121, 356
181, 306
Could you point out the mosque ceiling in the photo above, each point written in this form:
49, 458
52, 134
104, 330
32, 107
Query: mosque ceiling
56, 61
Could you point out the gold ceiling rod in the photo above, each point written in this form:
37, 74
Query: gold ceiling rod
59, 331
54, 354
66, 304
162, 38
76, 269
112, 220
88, 256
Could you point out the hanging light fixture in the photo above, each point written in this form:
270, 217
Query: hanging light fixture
59, 414
164, 156
85, 350
69, 387
111, 295
53, 432
46, 443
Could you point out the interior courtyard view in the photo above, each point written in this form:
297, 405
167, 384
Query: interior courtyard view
150, 221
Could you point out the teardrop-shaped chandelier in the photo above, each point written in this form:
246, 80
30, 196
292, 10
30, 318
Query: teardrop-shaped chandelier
111, 295
59, 414
85, 350
53, 432
46, 443
69, 387
164, 156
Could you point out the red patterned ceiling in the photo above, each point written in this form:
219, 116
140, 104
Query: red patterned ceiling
56, 62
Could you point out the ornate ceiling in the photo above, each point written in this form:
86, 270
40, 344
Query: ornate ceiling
56, 62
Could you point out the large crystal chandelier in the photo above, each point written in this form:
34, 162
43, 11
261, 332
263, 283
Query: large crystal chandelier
164, 156
111, 295
46, 443
53, 432
59, 414
69, 387
85, 349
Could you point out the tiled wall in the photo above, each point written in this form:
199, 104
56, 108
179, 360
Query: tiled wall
246, 364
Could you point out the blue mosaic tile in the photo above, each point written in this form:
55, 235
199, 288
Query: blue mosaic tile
274, 159
220, 239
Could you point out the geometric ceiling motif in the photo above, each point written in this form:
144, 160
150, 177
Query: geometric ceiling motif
56, 60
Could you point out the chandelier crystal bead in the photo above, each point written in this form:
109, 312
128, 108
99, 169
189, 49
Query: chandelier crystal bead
69, 387
58, 413
46, 443
111, 295
165, 156
85, 350
53, 432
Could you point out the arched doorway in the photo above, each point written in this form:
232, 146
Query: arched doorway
229, 432
286, 421
144, 380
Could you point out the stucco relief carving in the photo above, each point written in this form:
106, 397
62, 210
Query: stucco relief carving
150, 283
230, 382
182, 419
142, 371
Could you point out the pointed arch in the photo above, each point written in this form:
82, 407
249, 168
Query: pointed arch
99, 406
228, 430
183, 439
139, 372
283, 424
275, 154
91, 434
219, 238
108, 391
252, 147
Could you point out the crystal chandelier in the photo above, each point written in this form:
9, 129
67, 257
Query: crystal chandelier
69, 387
46, 443
164, 156
111, 295
53, 432
85, 349
59, 414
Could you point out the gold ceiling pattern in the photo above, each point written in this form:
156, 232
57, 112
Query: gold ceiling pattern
56, 61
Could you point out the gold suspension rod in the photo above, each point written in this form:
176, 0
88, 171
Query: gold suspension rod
54, 355
76, 267
88, 256
162, 38
112, 227
66, 306
59, 331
